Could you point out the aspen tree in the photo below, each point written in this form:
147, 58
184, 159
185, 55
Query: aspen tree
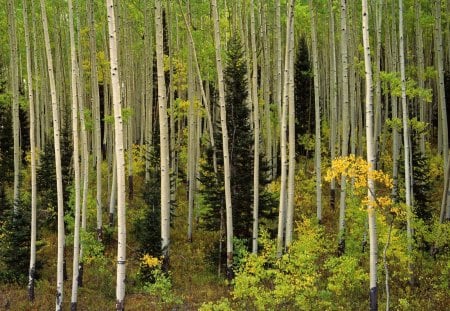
223, 122
345, 123
120, 158
317, 149
96, 112
56, 138
278, 78
164, 137
14, 70
283, 131
76, 163
191, 145
256, 130
370, 159
420, 67
438, 46
32, 116
333, 101
291, 128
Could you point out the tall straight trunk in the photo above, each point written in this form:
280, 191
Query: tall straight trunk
120, 158
256, 130
317, 149
278, 78
291, 126
14, 72
333, 101
377, 67
57, 145
76, 161
283, 131
192, 156
202, 90
148, 88
406, 138
96, 113
438, 46
226, 156
163, 137
32, 116
370, 160
420, 68
345, 124
84, 165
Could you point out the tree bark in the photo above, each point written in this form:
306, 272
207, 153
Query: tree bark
370, 160
57, 145
120, 158
32, 116
226, 156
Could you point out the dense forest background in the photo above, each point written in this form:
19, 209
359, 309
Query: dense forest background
224, 155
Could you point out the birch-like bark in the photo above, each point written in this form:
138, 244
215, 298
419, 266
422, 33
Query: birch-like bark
120, 158
57, 145
333, 101
202, 90
14, 72
192, 157
96, 113
370, 160
345, 124
164, 137
438, 46
226, 156
406, 141
256, 129
420, 68
291, 126
76, 161
283, 132
32, 116
317, 149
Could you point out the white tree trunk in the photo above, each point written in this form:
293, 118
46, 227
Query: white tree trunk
59, 188
223, 122
317, 149
163, 136
256, 130
370, 160
76, 156
14, 72
32, 116
120, 158
345, 123
283, 132
291, 125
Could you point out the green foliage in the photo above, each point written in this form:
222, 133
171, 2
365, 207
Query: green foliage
241, 156
14, 242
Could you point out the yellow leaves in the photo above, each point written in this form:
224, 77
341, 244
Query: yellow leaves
150, 261
358, 171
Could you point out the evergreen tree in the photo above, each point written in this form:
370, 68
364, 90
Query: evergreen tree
241, 155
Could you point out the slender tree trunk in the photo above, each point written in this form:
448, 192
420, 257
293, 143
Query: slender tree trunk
420, 68
291, 125
345, 124
283, 131
441, 89
192, 156
59, 188
256, 130
120, 158
317, 149
164, 138
31, 103
333, 101
226, 156
406, 141
14, 72
370, 159
96, 113
76, 163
